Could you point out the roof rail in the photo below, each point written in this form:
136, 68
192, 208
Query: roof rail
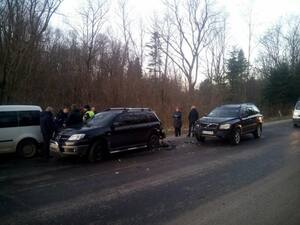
128, 109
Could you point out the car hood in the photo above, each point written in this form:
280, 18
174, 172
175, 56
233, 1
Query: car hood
218, 120
81, 130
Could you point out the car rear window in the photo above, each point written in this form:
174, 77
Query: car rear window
151, 117
8, 119
29, 118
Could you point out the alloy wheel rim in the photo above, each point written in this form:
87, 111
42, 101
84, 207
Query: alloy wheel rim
237, 137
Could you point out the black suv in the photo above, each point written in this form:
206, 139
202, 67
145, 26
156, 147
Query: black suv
230, 122
111, 131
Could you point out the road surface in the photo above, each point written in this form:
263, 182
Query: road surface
257, 182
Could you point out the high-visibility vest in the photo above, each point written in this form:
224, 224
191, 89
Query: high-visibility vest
91, 114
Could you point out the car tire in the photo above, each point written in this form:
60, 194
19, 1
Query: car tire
257, 132
96, 152
295, 125
235, 139
200, 139
27, 148
153, 142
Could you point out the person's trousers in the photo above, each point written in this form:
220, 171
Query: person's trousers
46, 148
177, 131
191, 129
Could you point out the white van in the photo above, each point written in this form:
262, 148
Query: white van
296, 115
20, 129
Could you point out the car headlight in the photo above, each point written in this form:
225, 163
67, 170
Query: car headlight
295, 114
225, 126
76, 137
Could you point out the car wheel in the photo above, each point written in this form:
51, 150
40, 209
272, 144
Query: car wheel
96, 152
236, 137
295, 125
200, 138
27, 148
153, 141
257, 132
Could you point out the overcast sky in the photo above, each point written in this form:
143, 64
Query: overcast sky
265, 13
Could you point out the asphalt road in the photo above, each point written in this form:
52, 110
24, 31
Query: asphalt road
257, 182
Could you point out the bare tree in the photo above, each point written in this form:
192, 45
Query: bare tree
93, 18
292, 39
22, 24
215, 55
192, 24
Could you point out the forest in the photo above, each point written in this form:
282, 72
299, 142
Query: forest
160, 65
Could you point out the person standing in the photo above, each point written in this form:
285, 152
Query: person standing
177, 122
74, 118
47, 128
61, 118
193, 117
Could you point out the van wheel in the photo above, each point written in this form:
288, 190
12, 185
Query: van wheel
235, 139
257, 132
27, 148
96, 152
153, 141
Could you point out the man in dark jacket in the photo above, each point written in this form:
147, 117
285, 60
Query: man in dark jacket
74, 118
193, 117
47, 128
177, 122
61, 118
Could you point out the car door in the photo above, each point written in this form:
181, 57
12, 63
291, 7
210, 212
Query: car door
142, 128
245, 119
126, 131
9, 131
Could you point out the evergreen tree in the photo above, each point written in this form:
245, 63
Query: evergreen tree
278, 85
155, 62
237, 75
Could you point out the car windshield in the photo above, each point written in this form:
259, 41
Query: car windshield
297, 106
225, 112
102, 119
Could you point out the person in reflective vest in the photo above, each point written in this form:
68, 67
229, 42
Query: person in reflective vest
88, 114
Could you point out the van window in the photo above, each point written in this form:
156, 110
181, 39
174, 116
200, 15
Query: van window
8, 119
29, 118
297, 107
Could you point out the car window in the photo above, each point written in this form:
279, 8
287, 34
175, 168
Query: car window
250, 111
126, 119
140, 118
102, 119
225, 112
255, 109
151, 117
29, 118
8, 119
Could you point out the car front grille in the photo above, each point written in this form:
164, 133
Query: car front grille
62, 138
211, 126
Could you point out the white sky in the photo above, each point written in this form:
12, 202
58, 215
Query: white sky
265, 13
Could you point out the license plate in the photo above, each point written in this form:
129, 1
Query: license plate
208, 132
